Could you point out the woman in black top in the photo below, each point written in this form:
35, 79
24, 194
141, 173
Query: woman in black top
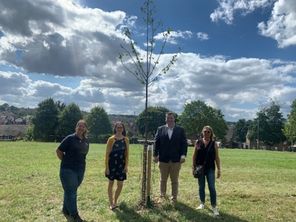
72, 152
206, 154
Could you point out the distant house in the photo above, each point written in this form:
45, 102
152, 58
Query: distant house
19, 121
12, 132
2, 120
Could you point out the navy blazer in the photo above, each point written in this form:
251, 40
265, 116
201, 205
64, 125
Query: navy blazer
170, 149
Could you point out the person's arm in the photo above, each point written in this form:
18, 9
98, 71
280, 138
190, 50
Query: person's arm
156, 146
108, 150
126, 154
217, 160
184, 145
63, 148
194, 159
59, 153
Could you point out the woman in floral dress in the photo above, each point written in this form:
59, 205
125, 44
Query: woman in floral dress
116, 162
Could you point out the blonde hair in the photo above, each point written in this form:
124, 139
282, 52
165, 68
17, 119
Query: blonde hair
210, 129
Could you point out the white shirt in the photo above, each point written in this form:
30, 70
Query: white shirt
170, 132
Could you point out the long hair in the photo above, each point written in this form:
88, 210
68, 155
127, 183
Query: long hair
115, 126
209, 129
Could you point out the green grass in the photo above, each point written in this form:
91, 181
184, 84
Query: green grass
255, 186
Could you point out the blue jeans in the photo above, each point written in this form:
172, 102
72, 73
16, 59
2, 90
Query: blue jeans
210, 175
71, 179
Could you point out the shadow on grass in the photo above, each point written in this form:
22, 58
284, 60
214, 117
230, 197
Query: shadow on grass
167, 212
129, 214
191, 214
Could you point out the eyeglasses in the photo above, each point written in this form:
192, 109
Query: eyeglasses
206, 131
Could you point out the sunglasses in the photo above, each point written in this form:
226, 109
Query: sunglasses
206, 131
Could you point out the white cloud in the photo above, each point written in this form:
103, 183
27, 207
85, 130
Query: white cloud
225, 84
202, 36
282, 24
227, 8
174, 36
58, 37
13, 83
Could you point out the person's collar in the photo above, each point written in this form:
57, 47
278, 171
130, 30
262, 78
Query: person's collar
78, 136
170, 127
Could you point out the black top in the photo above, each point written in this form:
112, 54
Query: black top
207, 155
170, 149
75, 151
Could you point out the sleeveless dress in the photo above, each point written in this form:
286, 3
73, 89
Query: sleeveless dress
117, 161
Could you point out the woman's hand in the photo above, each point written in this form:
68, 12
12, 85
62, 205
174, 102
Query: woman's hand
197, 144
107, 171
193, 169
218, 173
125, 170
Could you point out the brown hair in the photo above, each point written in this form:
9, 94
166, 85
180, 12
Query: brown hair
119, 123
82, 121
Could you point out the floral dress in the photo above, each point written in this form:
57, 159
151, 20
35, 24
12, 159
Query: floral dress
117, 161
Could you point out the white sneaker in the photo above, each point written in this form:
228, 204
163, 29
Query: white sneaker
215, 211
201, 206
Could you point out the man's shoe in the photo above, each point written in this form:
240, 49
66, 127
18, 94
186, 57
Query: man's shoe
215, 211
201, 206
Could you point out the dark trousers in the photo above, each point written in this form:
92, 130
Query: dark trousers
71, 179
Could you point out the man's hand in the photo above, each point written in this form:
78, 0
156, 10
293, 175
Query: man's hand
155, 159
182, 159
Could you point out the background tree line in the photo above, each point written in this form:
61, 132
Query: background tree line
52, 121
55, 120
269, 128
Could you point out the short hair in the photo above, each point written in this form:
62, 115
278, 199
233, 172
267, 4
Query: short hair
169, 114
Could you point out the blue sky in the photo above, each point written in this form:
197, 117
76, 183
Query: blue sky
236, 55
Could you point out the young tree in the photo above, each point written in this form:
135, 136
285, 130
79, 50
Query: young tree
45, 121
144, 66
290, 126
197, 114
68, 119
98, 123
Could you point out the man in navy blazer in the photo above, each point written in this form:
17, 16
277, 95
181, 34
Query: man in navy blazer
170, 151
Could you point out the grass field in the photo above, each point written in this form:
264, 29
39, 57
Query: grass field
255, 186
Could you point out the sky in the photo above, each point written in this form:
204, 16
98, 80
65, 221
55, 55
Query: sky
235, 55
